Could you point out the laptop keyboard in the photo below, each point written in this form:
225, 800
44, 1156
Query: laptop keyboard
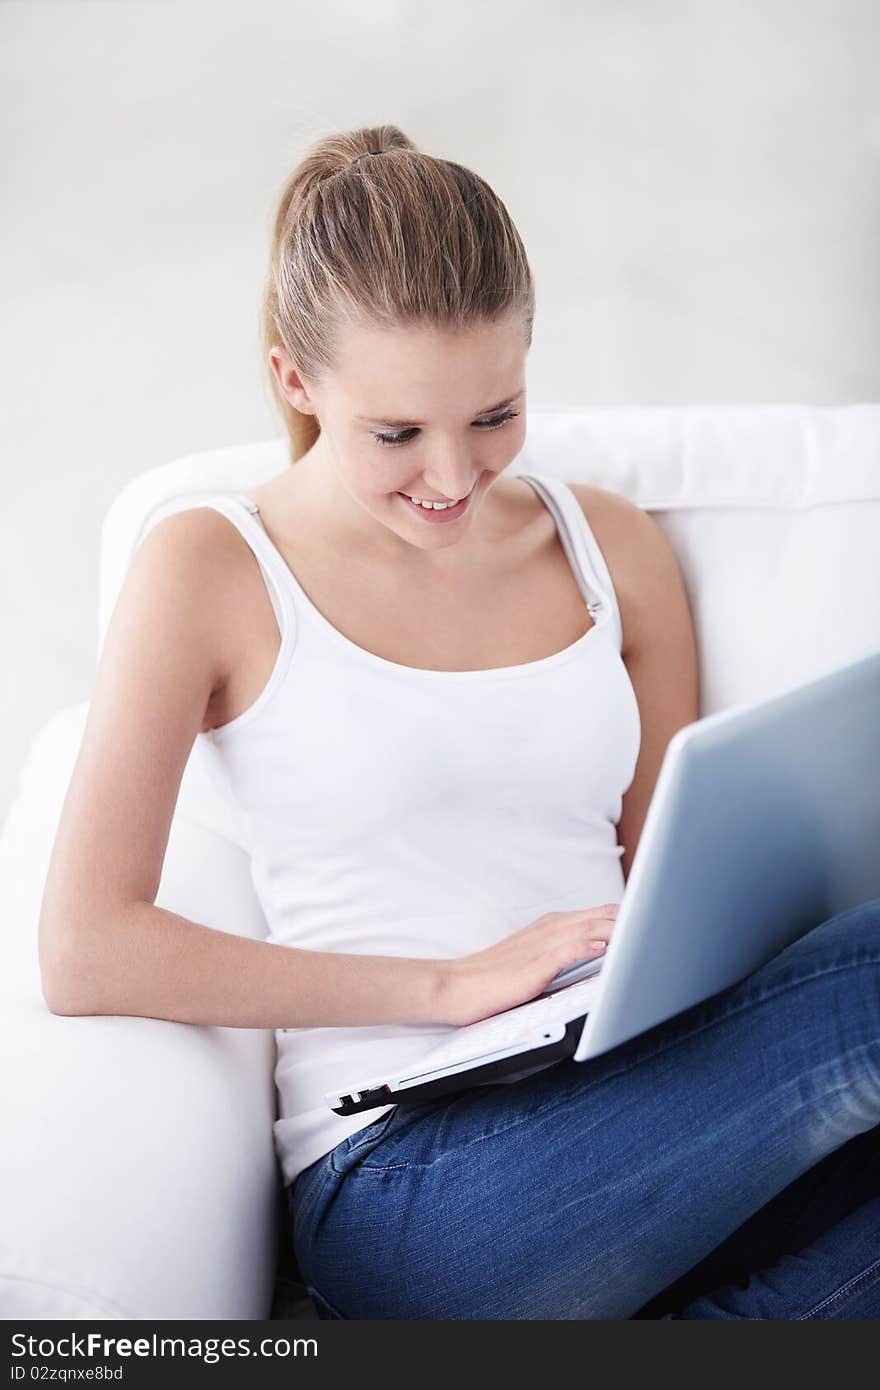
519, 1024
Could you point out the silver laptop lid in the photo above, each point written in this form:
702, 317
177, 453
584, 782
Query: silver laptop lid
765, 821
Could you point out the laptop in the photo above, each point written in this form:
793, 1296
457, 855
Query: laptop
765, 821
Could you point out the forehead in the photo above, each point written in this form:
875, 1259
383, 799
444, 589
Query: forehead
386, 373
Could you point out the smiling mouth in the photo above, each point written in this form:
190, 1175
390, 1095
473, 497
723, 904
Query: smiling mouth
444, 501
438, 515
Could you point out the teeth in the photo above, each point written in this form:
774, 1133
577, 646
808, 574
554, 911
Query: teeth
436, 506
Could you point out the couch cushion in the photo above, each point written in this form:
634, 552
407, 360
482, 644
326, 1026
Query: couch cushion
142, 1180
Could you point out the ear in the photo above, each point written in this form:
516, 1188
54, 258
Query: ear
290, 382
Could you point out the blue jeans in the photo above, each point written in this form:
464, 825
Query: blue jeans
725, 1164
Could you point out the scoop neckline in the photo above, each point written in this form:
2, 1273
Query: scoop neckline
522, 668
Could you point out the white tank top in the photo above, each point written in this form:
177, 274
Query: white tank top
394, 810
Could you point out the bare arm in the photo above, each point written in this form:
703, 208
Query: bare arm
662, 661
659, 642
104, 946
151, 963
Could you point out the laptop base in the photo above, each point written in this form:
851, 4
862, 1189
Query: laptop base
500, 1072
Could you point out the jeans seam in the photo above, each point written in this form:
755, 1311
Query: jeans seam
384, 1167
310, 1194
315, 1294
853, 1285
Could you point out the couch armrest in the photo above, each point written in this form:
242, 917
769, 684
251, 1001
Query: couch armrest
140, 1178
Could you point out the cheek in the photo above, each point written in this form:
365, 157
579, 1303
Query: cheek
393, 476
371, 473
386, 479
503, 446
516, 435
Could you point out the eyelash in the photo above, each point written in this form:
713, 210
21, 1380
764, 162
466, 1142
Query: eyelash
404, 436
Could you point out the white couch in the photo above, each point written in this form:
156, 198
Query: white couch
139, 1178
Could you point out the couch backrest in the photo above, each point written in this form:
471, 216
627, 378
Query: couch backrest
773, 511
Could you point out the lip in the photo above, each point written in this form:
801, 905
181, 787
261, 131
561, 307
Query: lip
446, 514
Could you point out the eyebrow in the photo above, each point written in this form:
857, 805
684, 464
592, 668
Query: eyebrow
411, 424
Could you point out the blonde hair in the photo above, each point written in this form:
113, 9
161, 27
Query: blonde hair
388, 242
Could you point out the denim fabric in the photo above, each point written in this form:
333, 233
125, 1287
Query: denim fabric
725, 1164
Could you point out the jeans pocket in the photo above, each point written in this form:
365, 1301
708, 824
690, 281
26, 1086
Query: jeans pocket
350, 1151
371, 1131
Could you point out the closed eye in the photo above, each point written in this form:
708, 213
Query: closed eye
494, 422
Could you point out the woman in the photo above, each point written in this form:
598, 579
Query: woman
441, 697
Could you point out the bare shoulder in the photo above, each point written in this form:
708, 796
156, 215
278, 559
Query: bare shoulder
612, 514
199, 551
641, 561
204, 558
199, 534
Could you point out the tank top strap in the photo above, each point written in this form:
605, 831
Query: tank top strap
242, 511
581, 547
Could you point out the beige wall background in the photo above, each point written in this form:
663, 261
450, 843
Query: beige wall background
696, 182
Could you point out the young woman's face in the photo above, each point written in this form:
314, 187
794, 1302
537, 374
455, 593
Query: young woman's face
434, 414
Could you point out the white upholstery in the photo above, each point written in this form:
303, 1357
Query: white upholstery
138, 1169
139, 1178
